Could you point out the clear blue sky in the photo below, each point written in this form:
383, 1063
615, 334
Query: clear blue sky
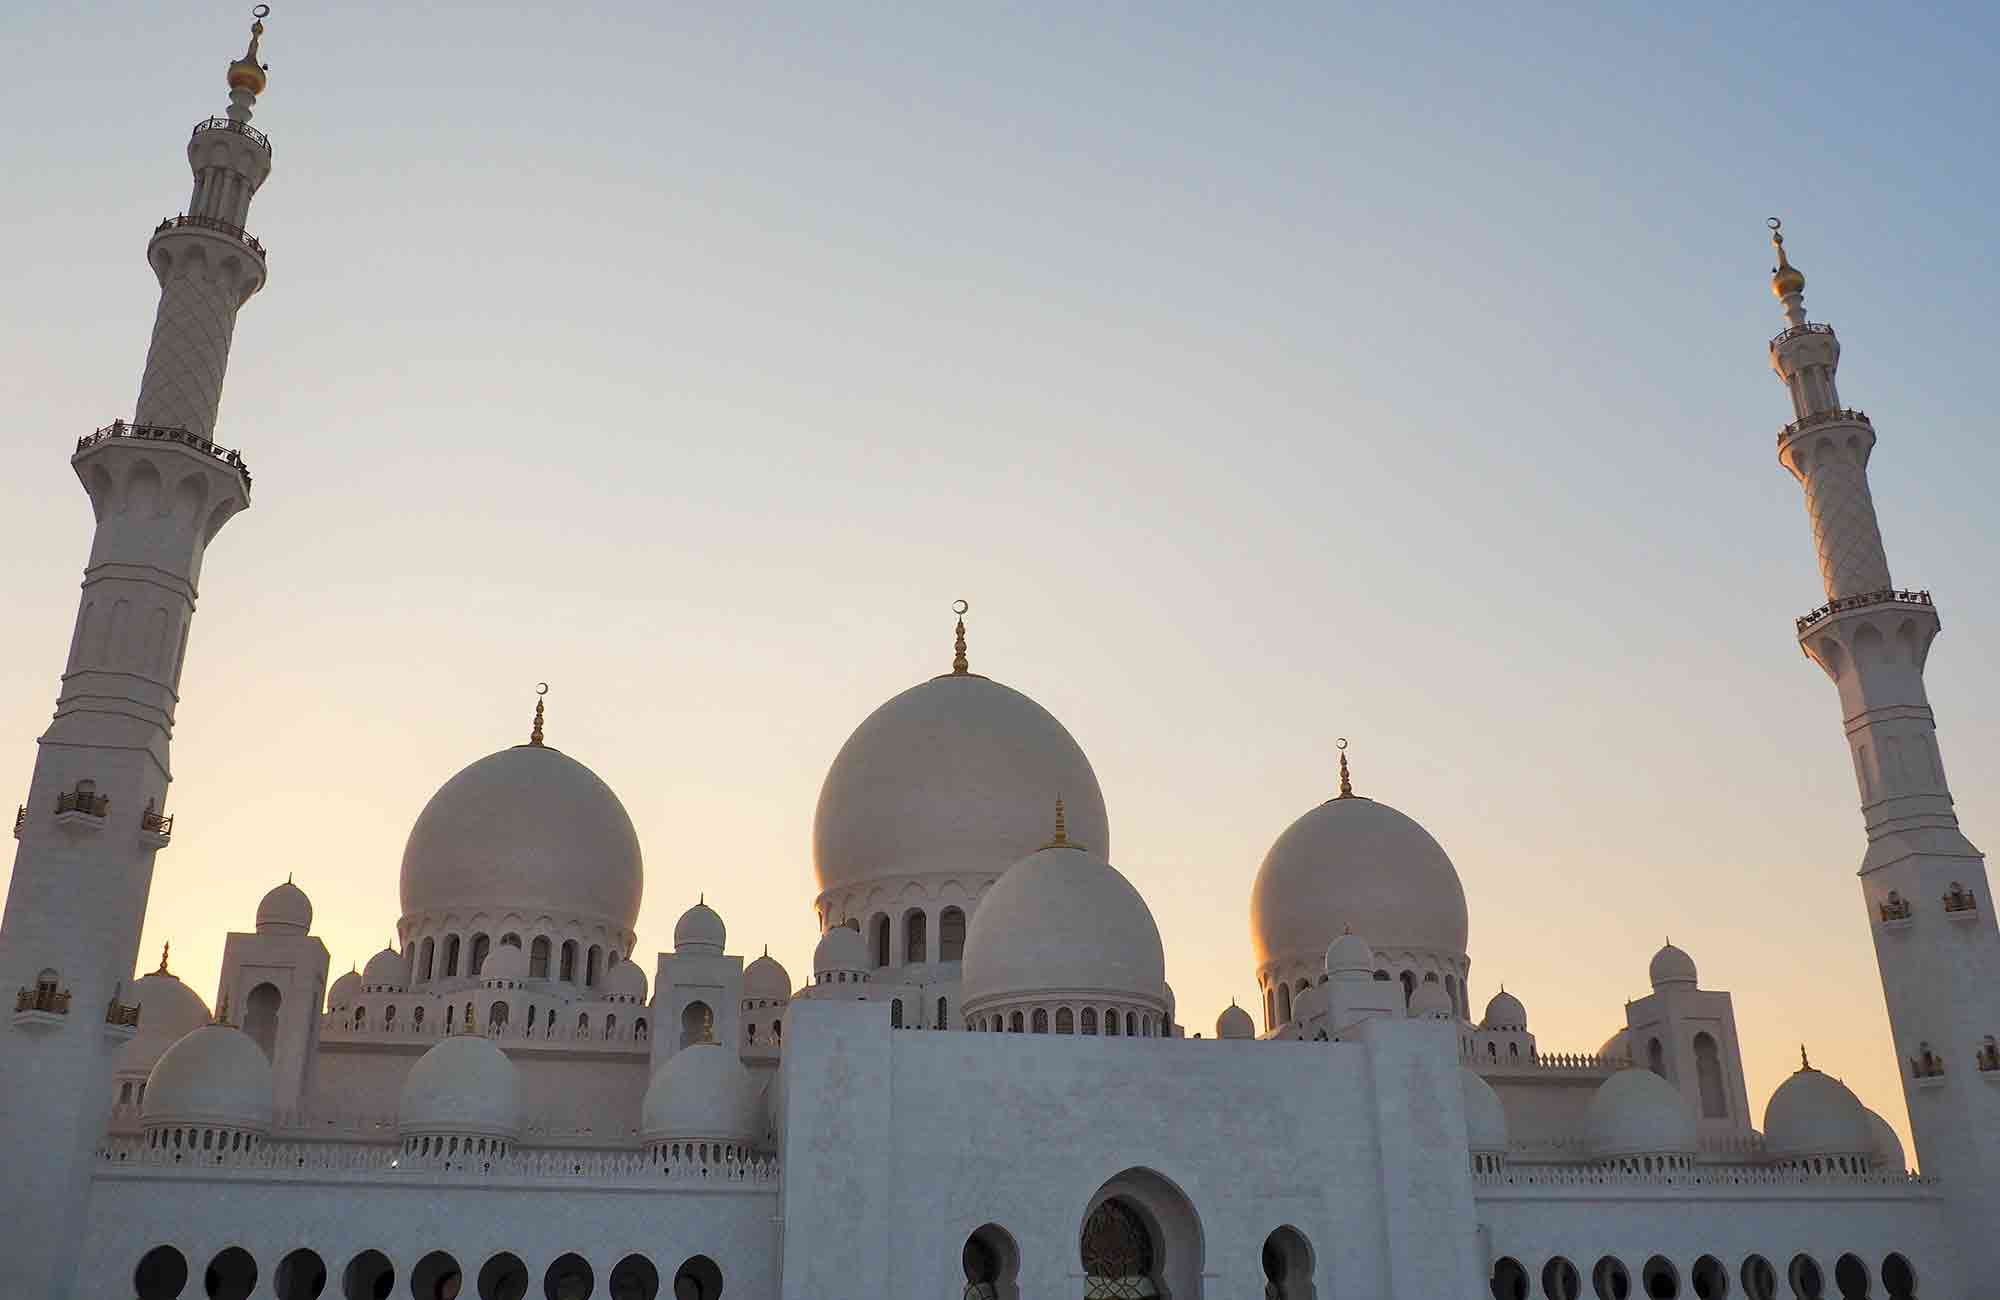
1261, 374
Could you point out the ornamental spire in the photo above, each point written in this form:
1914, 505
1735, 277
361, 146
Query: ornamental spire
1804, 1064
535, 732
165, 948
959, 665
1788, 283
1060, 840
247, 77
1346, 781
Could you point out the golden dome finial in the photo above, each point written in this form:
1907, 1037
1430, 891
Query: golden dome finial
1346, 781
246, 73
1804, 1064
959, 664
165, 948
535, 733
222, 1010
1786, 279
1060, 840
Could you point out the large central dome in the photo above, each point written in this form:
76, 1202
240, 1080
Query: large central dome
528, 829
955, 774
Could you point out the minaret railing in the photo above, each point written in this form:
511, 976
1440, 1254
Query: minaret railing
1804, 327
230, 228
167, 433
244, 129
1887, 596
1843, 416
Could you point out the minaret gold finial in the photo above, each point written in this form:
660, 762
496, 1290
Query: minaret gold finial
222, 1010
1061, 840
535, 735
707, 1024
165, 948
1346, 780
246, 74
1786, 279
1804, 1064
959, 664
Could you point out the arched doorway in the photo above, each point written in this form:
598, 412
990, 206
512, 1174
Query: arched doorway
1288, 1266
697, 1024
260, 1017
992, 1264
1140, 1238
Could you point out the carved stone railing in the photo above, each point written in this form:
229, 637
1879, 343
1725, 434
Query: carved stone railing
1796, 331
155, 824
1896, 908
244, 129
380, 1161
217, 224
42, 998
1841, 416
1546, 1062
20, 820
1887, 596
80, 801
1518, 1174
166, 433
1961, 900
119, 1015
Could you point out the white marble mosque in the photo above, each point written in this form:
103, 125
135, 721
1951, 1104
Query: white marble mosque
983, 1089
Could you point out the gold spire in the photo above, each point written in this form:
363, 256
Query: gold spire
707, 1024
535, 733
222, 1010
1804, 1064
1346, 782
1786, 279
1060, 840
246, 73
165, 948
959, 665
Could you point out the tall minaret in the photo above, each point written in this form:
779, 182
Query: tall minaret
1924, 885
96, 810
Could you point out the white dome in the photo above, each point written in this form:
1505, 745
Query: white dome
840, 949
285, 910
765, 978
168, 1011
528, 829
1485, 1117
1814, 1114
702, 1091
1619, 1045
1310, 1002
344, 991
1235, 1022
1356, 864
217, 1076
506, 962
700, 929
385, 970
1637, 1113
1887, 1154
626, 980
1431, 1002
464, 1086
955, 774
1505, 1012
1350, 955
1062, 921
1671, 966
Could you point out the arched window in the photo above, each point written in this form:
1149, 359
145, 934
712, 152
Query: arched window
1014, 1023
436, 1277
368, 1276
639, 1030
881, 941
1804, 1275
389, 1017
1040, 1020
301, 1275
417, 1019
1850, 1275
1146, 1027
1111, 1023
451, 956
1509, 1280
750, 1033
611, 1027
698, 1279
260, 1016
1065, 1021
697, 1023
1409, 986
162, 1274
1089, 1020
1708, 1070
1610, 1279
1760, 1280
481, 945
450, 1019
1288, 1266
538, 958
1660, 1279
992, 1263
1656, 1058
360, 1019
896, 1014
427, 961
943, 1014
951, 934
1117, 1254
1131, 1025
777, 1029
582, 1023
569, 1278
593, 966
569, 961
496, 1016
1898, 1278
1284, 1004
231, 1275
1709, 1280
916, 936
504, 1277
1560, 1280
632, 1278
1271, 1020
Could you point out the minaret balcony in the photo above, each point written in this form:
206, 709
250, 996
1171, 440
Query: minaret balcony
1839, 605
82, 810
1843, 415
244, 129
1799, 331
41, 1007
217, 224
166, 433
20, 820
156, 830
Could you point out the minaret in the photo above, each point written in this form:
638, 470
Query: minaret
1924, 885
96, 809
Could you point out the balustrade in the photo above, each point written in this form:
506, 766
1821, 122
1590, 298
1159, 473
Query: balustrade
166, 433
42, 997
244, 129
1887, 596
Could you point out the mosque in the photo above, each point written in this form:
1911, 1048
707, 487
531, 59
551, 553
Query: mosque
983, 1089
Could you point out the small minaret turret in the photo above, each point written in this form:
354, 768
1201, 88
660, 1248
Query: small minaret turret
1928, 900
96, 809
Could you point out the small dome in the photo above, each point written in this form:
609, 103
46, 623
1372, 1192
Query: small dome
700, 930
385, 970
1637, 1113
1356, 864
1235, 1022
955, 774
1887, 1155
1485, 1117
1431, 1002
1618, 1046
341, 996
765, 978
216, 1076
626, 980
168, 1011
1814, 1114
702, 1091
840, 949
1063, 919
506, 962
1350, 955
1505, 1012
463, 1086
285, 910
1671, 966
528, 829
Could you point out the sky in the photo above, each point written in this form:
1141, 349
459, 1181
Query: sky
1261, 375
